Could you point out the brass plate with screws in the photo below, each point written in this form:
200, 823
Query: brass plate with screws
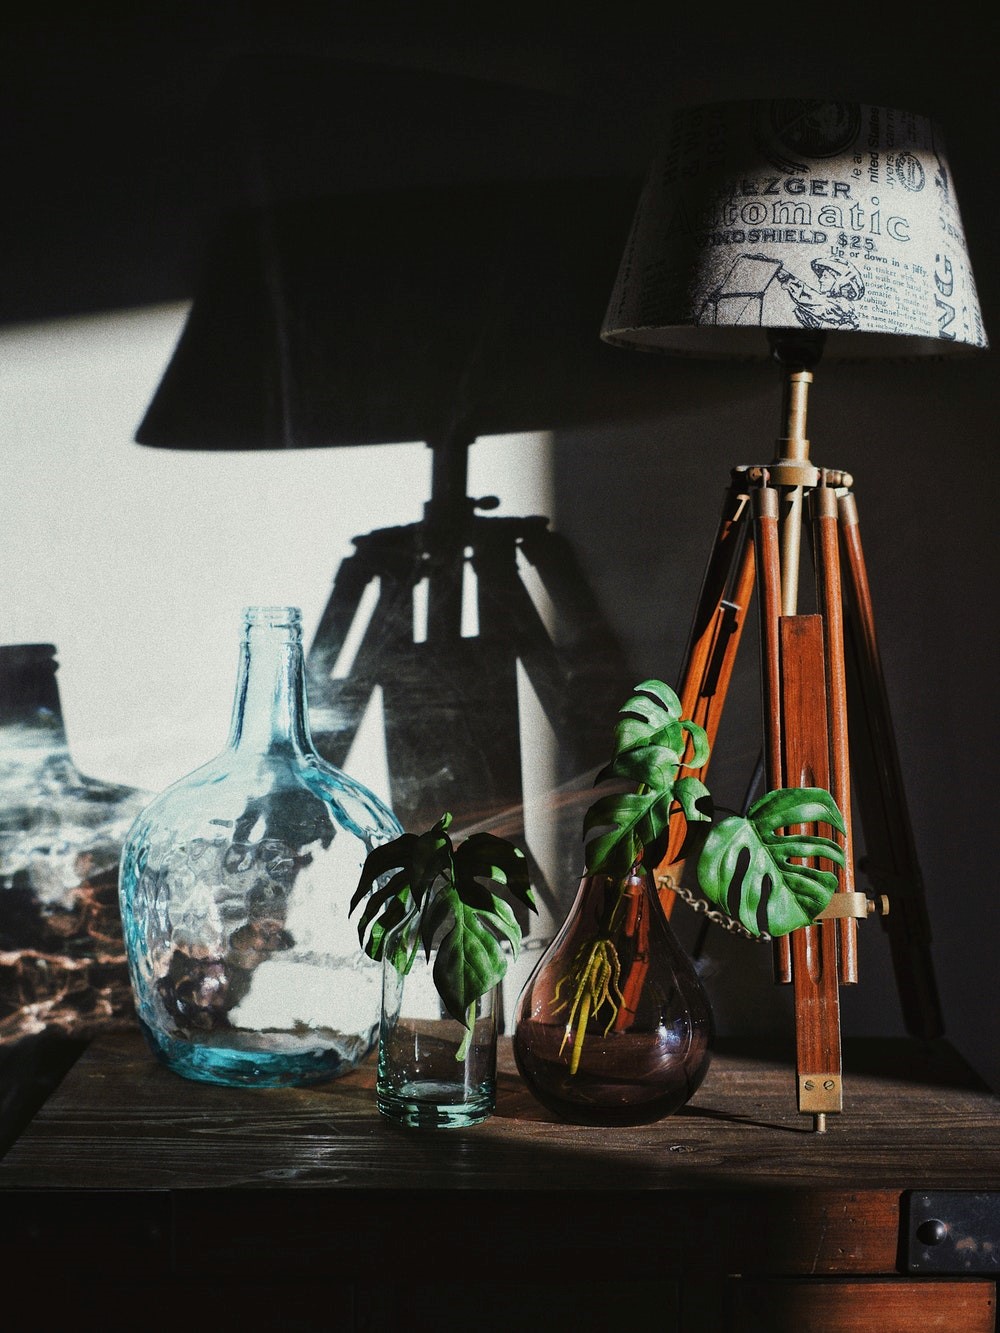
820, 1092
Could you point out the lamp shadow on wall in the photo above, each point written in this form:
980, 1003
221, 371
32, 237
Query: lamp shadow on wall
442, 315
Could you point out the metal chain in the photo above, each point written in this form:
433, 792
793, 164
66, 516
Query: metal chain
701, 905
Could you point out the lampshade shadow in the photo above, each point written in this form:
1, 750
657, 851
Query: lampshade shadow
399, 315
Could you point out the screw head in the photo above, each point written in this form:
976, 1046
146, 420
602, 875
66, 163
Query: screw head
932, 1232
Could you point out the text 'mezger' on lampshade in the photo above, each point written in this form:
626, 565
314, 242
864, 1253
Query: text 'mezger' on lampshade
839, 217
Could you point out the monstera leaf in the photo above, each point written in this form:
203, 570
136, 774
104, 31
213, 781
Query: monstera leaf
442, 891
651, 744
752, 871
413, 862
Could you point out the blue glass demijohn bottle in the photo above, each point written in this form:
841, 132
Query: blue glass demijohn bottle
235, 886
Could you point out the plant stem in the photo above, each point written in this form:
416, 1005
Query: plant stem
470, 1020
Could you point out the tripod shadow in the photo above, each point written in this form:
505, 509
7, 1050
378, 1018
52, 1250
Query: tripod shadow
441, 314
451, 701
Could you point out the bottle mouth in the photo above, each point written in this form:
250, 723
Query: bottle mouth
27, 654
272, 617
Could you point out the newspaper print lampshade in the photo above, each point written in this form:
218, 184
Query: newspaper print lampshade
791, 214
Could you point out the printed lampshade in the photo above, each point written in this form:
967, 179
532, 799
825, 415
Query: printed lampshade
839, 217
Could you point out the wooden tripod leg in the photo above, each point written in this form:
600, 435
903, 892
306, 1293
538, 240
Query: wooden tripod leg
711, 652
890, 852
794, 699
768, 560
823, 503
815, 972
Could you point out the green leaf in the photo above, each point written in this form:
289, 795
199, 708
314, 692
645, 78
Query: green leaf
632, 821
470, 958
455, 897
386, 908
624, 818
796, 805
651, 742
469, 962
750, 859
380, 861
652, 716
418, 861
635, 730
654, 766
485, 857
654, 693
692, 796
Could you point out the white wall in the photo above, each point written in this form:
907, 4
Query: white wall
136, 562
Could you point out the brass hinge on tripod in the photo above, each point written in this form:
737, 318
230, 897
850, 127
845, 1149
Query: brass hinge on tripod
857, 905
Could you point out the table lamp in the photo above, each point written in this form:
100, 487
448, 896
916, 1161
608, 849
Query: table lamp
795, 229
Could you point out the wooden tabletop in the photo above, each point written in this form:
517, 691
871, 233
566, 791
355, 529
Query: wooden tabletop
121, 1121
739, 1174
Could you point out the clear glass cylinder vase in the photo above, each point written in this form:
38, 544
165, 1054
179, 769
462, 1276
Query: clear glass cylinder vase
434, 1071
613, 1026
235, 885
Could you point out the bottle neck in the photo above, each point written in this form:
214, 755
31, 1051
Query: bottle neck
29, 693
269, 710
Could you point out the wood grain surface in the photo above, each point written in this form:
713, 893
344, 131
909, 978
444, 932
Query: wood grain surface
914, 1115
141, 1189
